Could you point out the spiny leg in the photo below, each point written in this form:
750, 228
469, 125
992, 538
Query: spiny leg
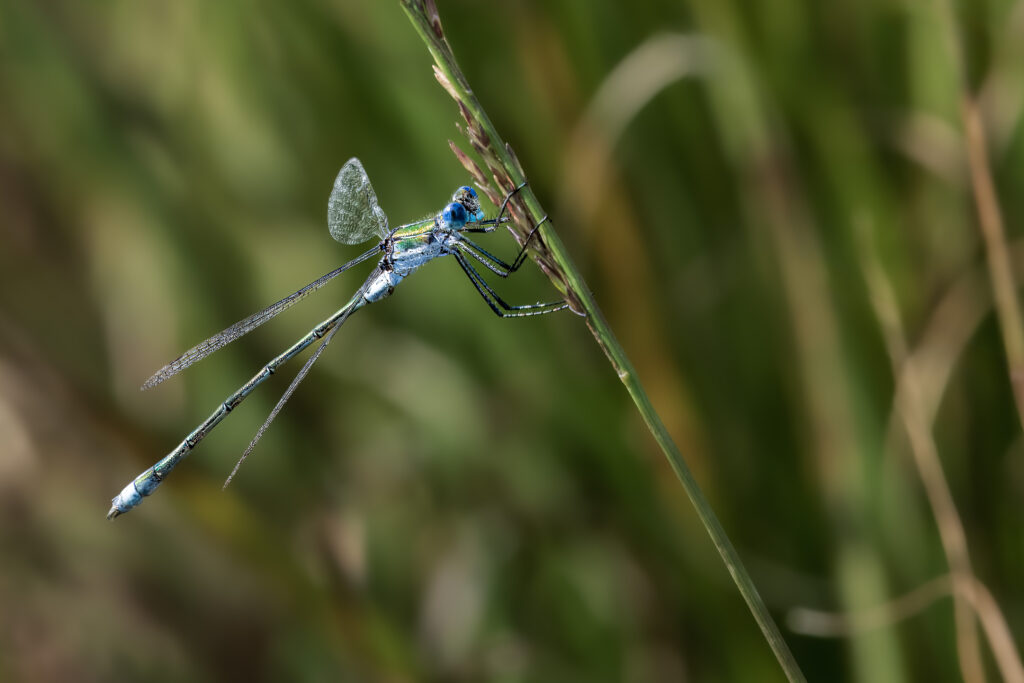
521, 256
508, 197
486, 258
486, 225
500, 308
495, 264
517, 261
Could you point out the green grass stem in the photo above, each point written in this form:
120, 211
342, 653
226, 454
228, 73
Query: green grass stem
553, 258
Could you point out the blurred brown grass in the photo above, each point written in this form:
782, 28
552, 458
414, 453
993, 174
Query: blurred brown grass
454, 497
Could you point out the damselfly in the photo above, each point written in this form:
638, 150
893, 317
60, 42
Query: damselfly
353, 216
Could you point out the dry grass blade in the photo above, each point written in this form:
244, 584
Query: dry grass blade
990, 215
838, 625
907, 405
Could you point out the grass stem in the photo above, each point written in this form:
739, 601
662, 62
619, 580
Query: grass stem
551, 255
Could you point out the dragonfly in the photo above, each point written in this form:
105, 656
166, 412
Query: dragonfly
353, 217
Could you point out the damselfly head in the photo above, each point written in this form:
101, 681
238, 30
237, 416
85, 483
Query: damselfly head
454, 216
466, 196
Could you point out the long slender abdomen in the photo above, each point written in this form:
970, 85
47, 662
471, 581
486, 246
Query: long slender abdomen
147, 482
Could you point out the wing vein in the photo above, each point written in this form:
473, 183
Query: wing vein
242, 327
290, 390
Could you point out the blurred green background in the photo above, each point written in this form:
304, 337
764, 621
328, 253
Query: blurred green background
450, 496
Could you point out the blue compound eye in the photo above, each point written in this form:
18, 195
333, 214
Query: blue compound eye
468, 190
455, 215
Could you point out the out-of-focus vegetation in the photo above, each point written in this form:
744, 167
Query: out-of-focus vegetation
773, 204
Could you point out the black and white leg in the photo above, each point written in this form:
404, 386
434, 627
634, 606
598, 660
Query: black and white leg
492, 262
497, 304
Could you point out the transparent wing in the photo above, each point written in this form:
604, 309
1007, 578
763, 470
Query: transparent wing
221, 339
291, 387
353, 215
